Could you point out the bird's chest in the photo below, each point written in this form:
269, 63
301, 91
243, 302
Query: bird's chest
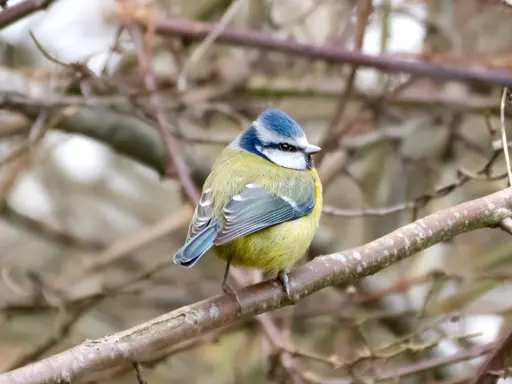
270, 249
277, 247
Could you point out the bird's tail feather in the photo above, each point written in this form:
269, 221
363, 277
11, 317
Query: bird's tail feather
196, 247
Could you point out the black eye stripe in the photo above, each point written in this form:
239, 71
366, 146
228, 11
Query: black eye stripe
285, 147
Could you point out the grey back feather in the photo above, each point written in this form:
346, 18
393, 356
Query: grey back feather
255, 209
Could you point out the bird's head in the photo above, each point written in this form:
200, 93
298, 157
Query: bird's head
278, 138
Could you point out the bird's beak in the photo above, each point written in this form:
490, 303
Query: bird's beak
310, 149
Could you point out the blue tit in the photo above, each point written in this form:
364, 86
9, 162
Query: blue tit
261, 204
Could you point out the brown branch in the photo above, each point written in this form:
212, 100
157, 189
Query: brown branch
61, 332
138, 371
200, 51
496, 361
195, 30
282, 86
164, 126
46, 232
364, 9
19, 11
92, 358
463, 177
423, 366
112, 253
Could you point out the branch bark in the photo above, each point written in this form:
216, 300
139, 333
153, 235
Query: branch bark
195, 30
92, 359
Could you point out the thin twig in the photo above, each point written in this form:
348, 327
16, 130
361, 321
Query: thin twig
206, 44
62, 331
498, 359
423, 366
504, 134
36, 133
140, 374
366, 212
173, 148
364, 12
123, 247
463, 177
46, 232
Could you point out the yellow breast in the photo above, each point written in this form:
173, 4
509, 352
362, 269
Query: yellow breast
278, 247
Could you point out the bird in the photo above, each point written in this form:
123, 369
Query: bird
261, 204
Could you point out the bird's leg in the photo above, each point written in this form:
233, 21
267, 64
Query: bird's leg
228, 289
285, 282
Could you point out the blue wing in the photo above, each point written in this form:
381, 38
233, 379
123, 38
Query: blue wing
256, 208
252, 210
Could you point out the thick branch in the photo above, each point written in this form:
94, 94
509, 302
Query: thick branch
91, 359
195, 30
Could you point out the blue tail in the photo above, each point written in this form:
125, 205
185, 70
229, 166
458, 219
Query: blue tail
196, 247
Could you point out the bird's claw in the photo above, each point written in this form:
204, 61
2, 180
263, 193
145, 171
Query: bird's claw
285, 282
230, 291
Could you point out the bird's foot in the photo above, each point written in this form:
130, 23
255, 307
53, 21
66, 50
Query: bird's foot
285, 282
230, 291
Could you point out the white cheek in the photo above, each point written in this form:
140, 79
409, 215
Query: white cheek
294, 160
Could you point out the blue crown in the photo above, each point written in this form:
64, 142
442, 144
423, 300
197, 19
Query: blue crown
279, 122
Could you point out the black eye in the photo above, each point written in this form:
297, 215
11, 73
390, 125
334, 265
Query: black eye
286, 147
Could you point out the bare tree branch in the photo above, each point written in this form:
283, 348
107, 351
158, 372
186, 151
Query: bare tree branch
92, 358
364, 10
195, 30
422, 366
19, 11
496, 361
47, 232
171, 144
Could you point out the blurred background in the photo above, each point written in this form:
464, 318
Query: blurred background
90, 222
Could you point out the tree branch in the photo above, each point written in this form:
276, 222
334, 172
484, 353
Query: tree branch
44, 231
498, 360
91, 359
19, 11
195, 30
173, 147
422, 366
